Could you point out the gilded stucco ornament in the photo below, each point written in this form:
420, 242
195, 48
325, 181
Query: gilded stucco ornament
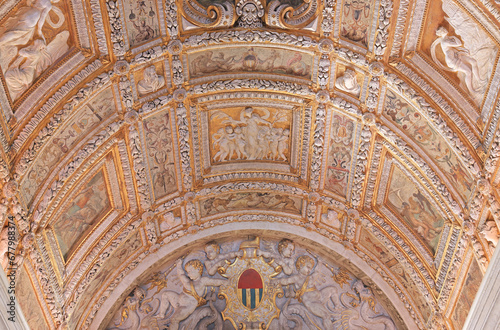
250, 13
174, 47
121, 67
285, 16
264, 283
131, 117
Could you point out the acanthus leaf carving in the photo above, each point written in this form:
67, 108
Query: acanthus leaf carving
117, 36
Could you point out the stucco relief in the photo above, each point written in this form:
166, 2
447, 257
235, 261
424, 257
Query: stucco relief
104, 274
251, 284
257, 59
466, 53
251, 201
348, 82
151, 81
31, 41
255, 134
378, 249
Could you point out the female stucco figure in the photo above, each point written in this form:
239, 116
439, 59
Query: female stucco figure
457, 59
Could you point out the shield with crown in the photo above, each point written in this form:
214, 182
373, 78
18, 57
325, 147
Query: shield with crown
250, 295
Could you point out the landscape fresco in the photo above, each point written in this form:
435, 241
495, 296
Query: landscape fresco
340, 150
250, 59
86, 208
356, 20
160, 154
412, 206
90, 116
373, 245
416, 127
251, 200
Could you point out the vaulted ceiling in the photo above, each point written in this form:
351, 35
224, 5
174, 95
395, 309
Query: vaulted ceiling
366, 129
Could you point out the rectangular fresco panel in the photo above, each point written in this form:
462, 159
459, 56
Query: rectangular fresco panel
29, 302
340, 150
86, 208
250, 59
92, 114
469, 290
141, 19
373, 245
418, 129
251, 200
415, 209
158, 133
250, 134
356, 20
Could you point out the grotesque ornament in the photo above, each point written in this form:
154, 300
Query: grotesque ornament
250, 13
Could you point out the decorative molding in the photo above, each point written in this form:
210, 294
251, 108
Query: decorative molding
184, 148
100, 34
249, 36
397, 43
260, 84
361, 166
382, 34
435, 118
81, 95
317, 146
115, 23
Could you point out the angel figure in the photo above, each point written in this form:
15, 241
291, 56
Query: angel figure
192, 297
215, 259
315, 301
282, 261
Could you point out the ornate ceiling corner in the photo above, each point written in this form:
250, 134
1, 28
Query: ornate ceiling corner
43, 49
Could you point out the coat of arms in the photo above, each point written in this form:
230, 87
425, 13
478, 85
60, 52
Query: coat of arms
250, 295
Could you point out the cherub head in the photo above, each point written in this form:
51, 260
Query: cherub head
286, 247
441, 31
194, 269
212, 249
305, 265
